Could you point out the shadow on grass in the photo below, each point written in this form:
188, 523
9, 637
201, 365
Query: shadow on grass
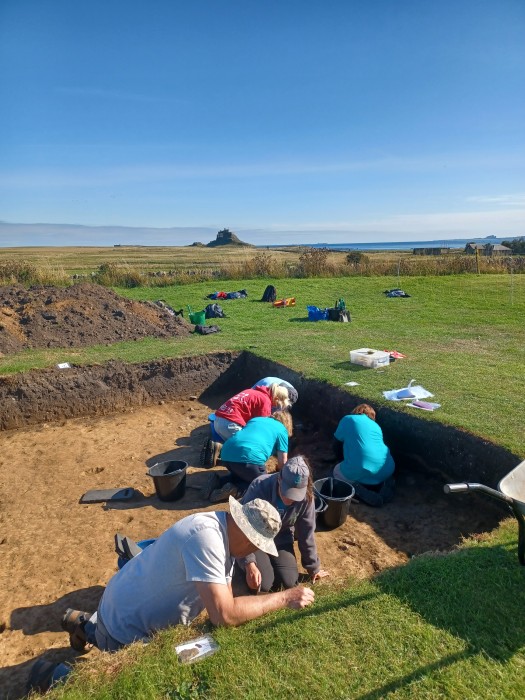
349, 366
477, 593
319, 608
418, 674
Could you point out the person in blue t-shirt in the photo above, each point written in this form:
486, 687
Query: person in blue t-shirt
367, 463
245, 454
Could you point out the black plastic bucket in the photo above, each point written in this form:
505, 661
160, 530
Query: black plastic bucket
169, 479
337, 495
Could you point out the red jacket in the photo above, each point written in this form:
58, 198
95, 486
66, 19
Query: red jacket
247, 404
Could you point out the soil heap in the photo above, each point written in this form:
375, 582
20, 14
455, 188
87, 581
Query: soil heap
84, 314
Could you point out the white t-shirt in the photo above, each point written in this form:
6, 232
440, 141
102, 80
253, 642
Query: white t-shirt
156, 589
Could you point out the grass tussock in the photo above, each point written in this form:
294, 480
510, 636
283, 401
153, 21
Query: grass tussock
45, 273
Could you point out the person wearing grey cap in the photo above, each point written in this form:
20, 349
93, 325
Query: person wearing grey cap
188, 568
290, 491
268, 381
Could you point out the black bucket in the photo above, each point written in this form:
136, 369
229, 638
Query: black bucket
337, 496
169, 479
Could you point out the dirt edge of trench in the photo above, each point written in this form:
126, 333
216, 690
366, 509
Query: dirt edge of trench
41, 396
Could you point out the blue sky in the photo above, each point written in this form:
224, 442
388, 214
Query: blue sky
285, 121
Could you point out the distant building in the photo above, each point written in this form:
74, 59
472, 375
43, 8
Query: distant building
430, 251
487, 249
496, 249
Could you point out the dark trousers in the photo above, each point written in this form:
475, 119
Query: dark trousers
375, 495
279, 571
242, 473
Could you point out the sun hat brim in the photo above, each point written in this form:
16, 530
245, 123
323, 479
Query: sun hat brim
265, 544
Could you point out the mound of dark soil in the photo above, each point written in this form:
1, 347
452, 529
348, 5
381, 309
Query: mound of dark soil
84, 314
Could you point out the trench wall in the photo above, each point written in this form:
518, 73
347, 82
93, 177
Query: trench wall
416, 442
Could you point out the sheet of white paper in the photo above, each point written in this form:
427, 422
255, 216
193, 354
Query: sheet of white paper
64, 365
351, 383
418, 392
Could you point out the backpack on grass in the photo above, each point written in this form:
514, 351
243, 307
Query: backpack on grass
270, 294
214, 311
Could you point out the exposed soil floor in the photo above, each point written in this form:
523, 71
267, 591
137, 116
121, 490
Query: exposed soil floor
84, 314
57, 553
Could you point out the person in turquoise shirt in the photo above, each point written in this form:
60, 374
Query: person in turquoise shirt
245, 454
367, 463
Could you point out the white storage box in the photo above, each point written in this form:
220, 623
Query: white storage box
367, 357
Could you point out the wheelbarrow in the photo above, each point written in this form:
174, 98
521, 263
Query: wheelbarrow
511, 490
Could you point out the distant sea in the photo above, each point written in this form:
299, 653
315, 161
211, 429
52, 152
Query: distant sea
402, 245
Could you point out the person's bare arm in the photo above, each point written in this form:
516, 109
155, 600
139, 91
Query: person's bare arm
224, 609
282, 458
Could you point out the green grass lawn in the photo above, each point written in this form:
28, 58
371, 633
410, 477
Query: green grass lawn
464, 338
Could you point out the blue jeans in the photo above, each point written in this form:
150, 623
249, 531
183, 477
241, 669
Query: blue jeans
225, 428
97, 634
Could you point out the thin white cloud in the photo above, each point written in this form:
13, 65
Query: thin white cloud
511, 200
151, 172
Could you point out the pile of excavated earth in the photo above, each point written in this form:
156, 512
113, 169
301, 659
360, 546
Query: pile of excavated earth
84, 314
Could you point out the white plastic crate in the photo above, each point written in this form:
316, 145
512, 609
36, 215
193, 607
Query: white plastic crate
368, 357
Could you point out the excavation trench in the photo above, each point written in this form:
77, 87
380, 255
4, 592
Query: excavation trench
67, 431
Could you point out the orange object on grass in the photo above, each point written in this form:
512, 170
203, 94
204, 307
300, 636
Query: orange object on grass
285, 302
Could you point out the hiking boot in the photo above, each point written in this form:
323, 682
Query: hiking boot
73, 621
210, 453
206, 455
41, 676
223, 493
211, 485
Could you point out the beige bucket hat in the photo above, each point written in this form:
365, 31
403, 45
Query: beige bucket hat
259, 521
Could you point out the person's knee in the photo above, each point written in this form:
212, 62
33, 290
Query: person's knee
289, 578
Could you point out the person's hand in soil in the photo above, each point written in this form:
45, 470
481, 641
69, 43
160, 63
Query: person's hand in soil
253, 576
298, 597
319, 575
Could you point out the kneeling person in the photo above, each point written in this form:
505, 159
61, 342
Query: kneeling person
246, 453
367, 462
291, 492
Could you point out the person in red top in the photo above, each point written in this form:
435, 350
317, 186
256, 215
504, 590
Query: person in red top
233, 415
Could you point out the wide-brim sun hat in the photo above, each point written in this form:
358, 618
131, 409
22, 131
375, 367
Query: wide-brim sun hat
259, 521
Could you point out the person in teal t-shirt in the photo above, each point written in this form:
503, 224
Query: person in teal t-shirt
245, 454
367, 462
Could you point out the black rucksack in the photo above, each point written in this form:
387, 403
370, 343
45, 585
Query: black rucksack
214, 311
270, 294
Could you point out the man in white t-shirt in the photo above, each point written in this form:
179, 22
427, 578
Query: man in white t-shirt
188, 568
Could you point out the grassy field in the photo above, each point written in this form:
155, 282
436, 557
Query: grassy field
78, 260
464, 338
